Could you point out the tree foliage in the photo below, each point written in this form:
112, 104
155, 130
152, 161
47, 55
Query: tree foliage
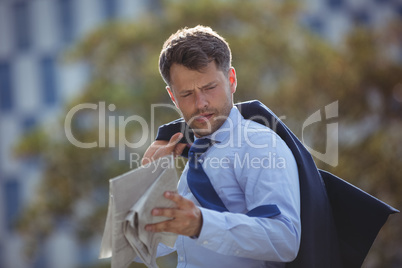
279, 62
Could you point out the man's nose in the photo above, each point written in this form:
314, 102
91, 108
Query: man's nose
201, 101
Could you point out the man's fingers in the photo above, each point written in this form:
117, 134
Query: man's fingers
168, 148
158, 227
180, 201
150, 152
166, 212
175, 197
175, 140
185, 219
179, 148
160, 149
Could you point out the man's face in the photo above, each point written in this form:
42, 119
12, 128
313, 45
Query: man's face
204, 98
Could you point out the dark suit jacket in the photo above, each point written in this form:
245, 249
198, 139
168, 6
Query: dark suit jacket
339, 221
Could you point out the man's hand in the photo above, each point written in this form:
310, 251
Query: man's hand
159, 149
186, 217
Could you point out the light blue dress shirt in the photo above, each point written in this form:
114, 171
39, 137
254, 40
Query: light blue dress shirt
249, 165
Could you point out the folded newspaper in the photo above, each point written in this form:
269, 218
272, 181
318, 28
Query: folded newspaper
132, 197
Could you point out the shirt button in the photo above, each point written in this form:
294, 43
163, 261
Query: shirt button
200, 161
205, 242
237, 252
181, 258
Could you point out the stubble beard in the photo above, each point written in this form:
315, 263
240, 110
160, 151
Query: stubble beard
201, 129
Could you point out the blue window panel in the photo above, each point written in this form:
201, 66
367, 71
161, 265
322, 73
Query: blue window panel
28, 123
22, 25
48, 80
398, 10
361, 17
40, 259
2, 259
335, 4
109, 8
12, 200
1, 172
316, 25
6, 92
154, 5
85, 254
382, 1
66, 20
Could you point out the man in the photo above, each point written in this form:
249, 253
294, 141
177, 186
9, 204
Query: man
250, 211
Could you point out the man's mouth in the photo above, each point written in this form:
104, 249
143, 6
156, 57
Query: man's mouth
204, 117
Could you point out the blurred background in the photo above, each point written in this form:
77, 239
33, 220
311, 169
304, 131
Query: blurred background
297, 57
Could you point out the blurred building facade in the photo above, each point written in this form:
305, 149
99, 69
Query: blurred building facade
34, 85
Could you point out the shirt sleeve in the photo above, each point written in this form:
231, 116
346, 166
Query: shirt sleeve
264, 183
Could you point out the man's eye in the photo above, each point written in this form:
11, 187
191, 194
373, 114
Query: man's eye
211, 87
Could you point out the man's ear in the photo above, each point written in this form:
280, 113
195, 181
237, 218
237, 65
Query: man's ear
171, 96
232, 80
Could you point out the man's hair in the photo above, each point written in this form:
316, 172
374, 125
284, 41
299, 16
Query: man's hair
194, 48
